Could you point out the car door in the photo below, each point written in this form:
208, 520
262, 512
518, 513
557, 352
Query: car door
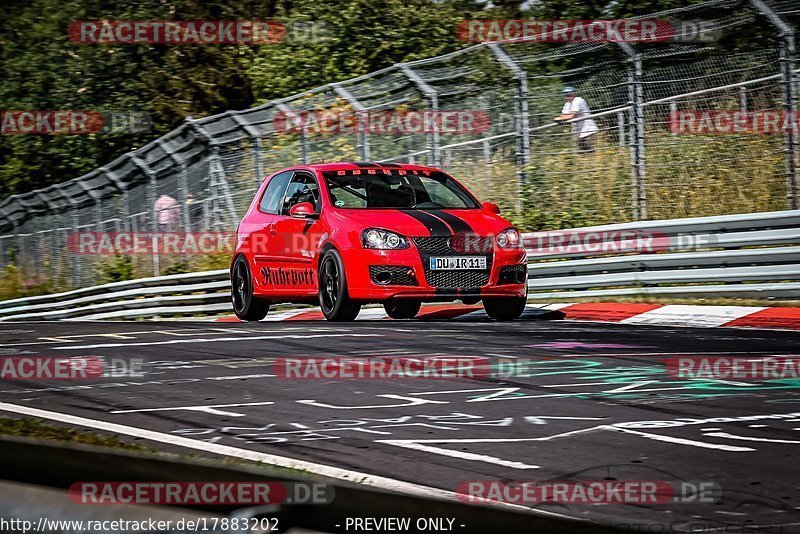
293, 256
262, 230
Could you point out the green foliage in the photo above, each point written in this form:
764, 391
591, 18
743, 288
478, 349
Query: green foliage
13, 284
119, 268
178, 267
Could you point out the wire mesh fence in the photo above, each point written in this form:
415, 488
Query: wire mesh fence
544, 175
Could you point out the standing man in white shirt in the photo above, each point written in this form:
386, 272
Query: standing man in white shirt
584, 130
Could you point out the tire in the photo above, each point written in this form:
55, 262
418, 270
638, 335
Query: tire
504, 308
333, 296
402, 308
246, 306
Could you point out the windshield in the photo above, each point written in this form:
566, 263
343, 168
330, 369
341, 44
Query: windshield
398, 190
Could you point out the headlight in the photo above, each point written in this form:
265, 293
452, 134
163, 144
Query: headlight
383, 239
509, 239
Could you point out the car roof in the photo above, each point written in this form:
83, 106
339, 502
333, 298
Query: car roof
348, 165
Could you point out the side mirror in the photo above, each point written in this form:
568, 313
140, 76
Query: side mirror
303, 210
491, 207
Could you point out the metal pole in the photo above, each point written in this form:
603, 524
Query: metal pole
305, 146
634, 155
673, 113
487, 160
258, 166
255, 136
183, 188
362, 136
636, 97
77, 279
433, 105
521, 115
218, 180
304, 141
639, 110
788, 59
151, 193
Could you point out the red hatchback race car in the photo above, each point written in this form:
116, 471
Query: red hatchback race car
347, 234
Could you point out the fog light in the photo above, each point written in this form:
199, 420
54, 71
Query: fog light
383, 277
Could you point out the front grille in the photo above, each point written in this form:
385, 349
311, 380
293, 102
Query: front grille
508, 274
454, 245
401, 276
457, 279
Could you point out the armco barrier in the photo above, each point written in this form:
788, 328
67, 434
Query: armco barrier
754, 255
751, 255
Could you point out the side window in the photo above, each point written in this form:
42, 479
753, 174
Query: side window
302, 188
273, 194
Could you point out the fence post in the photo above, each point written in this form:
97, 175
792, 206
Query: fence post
255, 137
77, 278
673, 115
152, 195
521, 115
789, 81
304, 143
636, 98
218, 182
433, 104
743, 99
362, 139
121, 186
183, 186
183, 193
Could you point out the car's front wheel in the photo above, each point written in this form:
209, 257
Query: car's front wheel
333, 296
246, 306
504, 308
402, 309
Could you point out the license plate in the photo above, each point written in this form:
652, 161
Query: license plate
458, 263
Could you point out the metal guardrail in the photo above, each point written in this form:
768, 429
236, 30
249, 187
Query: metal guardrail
753, 255
749, 255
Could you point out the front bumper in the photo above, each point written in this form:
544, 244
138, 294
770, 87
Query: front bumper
412, 280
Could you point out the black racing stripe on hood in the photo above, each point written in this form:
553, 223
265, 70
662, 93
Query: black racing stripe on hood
435, 226
458, 225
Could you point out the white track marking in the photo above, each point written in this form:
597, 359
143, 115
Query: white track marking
691, 315
682, 441
540, 419
210, 340
282, 316
240, 377
462, 455
748, 438
271, 459
212, 409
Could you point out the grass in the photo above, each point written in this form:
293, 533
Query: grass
36, 428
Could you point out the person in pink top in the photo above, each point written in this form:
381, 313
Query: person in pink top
167, 213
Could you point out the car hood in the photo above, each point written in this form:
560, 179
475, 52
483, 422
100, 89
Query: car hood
424, 223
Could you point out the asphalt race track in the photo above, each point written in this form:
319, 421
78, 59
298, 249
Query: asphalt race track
596, 404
